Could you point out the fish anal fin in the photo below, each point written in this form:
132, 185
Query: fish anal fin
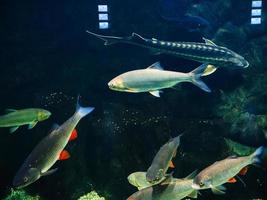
243, 171
171, 165
13, 129
193, 194
33, 124
64, 155
209, 42
232, 180
74, 135
155, 93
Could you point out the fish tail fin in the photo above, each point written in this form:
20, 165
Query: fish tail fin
109, 40
83, 111
256, 156
196, 77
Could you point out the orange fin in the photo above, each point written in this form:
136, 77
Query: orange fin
232, 180
64, 155
243, 171
73, 135
171, 165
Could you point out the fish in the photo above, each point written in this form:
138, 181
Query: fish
170, 189
224, 171
29, 116
49, 150
154, 78
162, 161
138, 179
175, 12
207, 52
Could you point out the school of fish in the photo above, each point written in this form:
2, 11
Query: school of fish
157, 182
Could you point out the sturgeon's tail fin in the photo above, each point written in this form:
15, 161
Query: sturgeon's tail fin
196, 77
83, 111
109, 40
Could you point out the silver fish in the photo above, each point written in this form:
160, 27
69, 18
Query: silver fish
153, 79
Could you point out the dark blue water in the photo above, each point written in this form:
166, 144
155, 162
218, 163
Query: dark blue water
47, 59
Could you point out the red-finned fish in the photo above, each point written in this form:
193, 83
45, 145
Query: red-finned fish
224, 171
162, 161
49, 150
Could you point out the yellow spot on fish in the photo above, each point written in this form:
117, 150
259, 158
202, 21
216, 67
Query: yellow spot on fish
162, 43
168, 43
173, 44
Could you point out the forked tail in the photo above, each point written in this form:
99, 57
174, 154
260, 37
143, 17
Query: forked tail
196, 77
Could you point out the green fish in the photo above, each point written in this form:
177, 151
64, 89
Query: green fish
17, 118
138, 179
169, 189
224, 171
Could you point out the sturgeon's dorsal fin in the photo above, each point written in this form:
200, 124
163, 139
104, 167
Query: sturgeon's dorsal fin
156, 66
209, 42
54, 127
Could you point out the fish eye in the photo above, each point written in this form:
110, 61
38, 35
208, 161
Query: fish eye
25, 179
201, 184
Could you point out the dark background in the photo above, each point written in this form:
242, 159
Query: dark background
47, 59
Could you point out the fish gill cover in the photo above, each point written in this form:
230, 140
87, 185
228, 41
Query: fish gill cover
47, 59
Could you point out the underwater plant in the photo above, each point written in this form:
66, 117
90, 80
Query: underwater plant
91, 196
21, 195
244, 111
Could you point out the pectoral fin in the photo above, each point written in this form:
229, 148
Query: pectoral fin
31, 125
155, 93
64, 155
49, 172
220, 190
171, 165
232, 180
13, 129
193, 194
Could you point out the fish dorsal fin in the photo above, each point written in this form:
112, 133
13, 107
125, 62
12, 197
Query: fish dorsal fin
10, 110
192, 175
232, 157
156, 66
156, 93
193, 194
209, 42
54, 127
